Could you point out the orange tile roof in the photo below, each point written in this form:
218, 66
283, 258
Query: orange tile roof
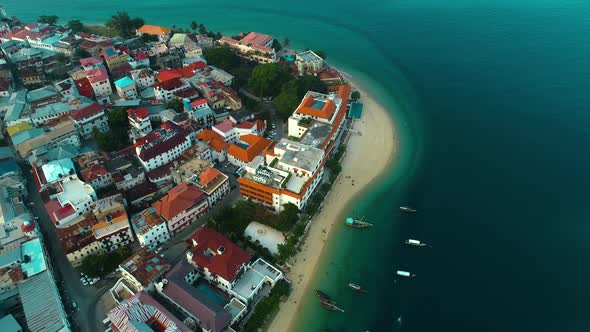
213, 139
256, 145
153, 30
207, 176
178, 199
325, 112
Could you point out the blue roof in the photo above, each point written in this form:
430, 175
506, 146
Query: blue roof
51, 110
127, 103
6, 152
203, 112
41, 93
14, 113
124, 82
52, 40
53, 169
26, 135
36, 260
110, 52
8, 166
61, 152
10, 255
9, 324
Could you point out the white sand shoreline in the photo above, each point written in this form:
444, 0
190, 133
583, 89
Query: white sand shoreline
367, 157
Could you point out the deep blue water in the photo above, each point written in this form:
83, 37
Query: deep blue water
491, 100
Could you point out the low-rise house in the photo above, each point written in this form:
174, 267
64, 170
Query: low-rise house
214, 183
139, 123
139, 60
166, 90
143, 269
97, 176
92, 63
144, 78
54, 135
142, 193
216, 258
188, 168
143, 310
126, 88
67, 87
169, 61
89, 118
150, 228
114, 58
125, 171
154, 30
78, 241
182, 206
49, 112
43, 96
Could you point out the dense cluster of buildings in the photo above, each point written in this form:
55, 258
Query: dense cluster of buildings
157, 186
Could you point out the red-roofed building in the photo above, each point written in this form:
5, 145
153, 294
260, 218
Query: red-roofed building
154, 30
214, 183
144, 78
254, 46
215, 142
168, 74
217, 258
182, 206
248, 147
97, 176
84, 87
139, 123
91, 63
99, 80
143, 269
165, 90
88, 118
162, 146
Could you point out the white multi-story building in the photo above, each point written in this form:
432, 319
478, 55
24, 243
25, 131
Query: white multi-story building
92, 63
126, 88
162, 146
165, 90
150, 228
144, 78
290, 174
73, 199
89, 118
308, 62
100, 82
214, 183
182, 206
139, 123
143, 269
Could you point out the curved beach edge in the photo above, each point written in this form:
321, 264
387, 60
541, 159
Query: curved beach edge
368, 157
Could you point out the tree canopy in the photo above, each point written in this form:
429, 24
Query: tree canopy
321, 54
222, 57
75, 25
355, 95
124, 24
48, 19
293, 91
194, 25
82, 53
268, 78
116, 138
176, 105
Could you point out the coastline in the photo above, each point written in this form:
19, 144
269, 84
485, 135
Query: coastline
367, 157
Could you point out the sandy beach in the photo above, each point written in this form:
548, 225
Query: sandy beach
367, 156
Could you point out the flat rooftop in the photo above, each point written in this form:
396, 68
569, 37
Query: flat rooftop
316, 134
309, 56
298, 155
254, 278
74, 191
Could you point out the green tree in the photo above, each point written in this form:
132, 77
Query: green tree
202, 29
286, 102
81, 53
175, 104
194, 25
355, 95
149, 38
276, 45
60, 57
48, 19
75, 25
93, 265
123, 24
288, 217
116, 138
286, 42
321, 54
310, 83
222, 57
268, 78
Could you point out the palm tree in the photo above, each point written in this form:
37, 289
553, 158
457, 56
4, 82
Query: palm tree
194, 25
286, 42
173, 26
202, 29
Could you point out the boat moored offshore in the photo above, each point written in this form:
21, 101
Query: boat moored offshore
407, 209
330, 305
323, 296
356, 223
405, 274
415, 243
357, 287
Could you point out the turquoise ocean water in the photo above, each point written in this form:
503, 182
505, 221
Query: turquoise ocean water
491, 101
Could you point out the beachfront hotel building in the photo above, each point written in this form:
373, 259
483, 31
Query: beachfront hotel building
289, 173
308, 63
254, 47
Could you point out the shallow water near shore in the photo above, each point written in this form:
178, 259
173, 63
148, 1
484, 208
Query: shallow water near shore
490, 99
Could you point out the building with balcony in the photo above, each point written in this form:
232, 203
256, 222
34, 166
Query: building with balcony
88, 118
254, 47
126, 88
162, 146
308, 63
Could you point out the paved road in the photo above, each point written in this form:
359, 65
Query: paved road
67, 277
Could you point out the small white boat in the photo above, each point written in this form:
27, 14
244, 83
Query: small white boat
405, 274
415, 243
407, 209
